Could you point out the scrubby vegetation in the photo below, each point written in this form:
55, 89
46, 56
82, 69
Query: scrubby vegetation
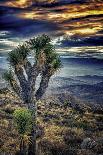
61, 130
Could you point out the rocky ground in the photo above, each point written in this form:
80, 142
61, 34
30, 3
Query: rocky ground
65, 126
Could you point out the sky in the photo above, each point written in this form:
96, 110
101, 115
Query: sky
74, 24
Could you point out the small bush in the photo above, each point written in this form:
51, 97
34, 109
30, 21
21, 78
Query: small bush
73, 137
22, 119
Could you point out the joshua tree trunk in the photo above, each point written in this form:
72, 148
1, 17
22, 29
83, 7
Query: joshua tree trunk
22, 146
32, 143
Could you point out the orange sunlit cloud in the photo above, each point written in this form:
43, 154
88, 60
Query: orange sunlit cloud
19, 3
25, 3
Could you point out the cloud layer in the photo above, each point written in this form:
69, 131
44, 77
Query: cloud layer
78, 22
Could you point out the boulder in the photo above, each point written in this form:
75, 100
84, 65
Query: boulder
88, 143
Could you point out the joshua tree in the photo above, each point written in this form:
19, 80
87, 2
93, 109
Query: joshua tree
23, 76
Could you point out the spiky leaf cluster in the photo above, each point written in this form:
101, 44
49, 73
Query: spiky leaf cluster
18, 55
43, 44
38, 44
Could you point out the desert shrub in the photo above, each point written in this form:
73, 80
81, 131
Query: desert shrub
82, 124
73, 137
65, 104
22, 119
54, 148
23, 122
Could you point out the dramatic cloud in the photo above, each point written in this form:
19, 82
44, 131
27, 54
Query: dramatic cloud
76, 42
81, 21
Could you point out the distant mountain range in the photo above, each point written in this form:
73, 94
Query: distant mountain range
86, 91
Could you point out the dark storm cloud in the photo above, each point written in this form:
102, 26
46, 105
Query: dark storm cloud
77, 42
58, 3
23, 27
100, 32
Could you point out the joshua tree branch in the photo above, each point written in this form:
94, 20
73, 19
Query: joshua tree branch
20, 74
23, 82
27, 66
15, 87
9, 77
43, 84
34, 71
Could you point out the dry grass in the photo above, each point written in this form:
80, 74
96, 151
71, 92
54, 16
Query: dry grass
62, 129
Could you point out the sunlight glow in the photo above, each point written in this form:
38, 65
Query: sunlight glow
19, 3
